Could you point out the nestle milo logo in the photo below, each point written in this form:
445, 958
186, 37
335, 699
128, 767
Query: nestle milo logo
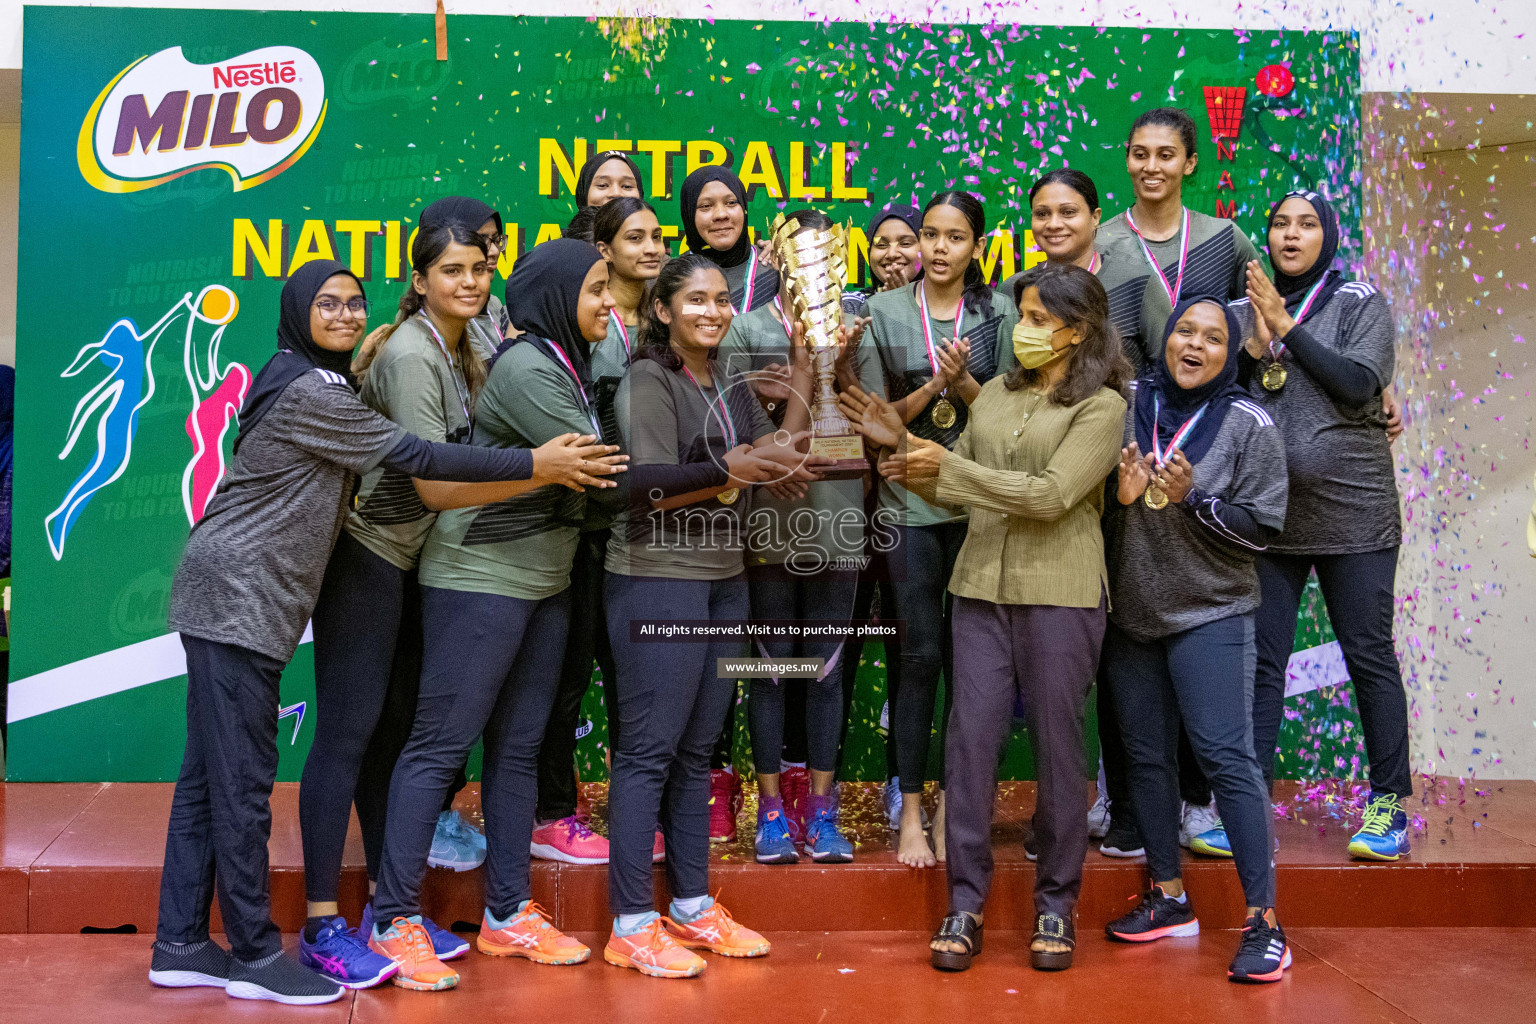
163, 117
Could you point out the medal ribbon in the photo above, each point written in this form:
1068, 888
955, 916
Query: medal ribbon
1276, 347
723, 414
748, 289
922, 306
1095, 263
789, 331
1160, 456
623, 336
442, 347
586, 403
1174, 289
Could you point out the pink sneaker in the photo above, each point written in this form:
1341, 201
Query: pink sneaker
725, 801
658, 849
795, 788
569, 840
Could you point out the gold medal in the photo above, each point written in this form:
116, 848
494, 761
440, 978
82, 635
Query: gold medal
1155, 497
943, 414
729, 497
1274, 377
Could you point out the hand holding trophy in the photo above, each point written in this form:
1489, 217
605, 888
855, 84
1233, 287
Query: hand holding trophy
814, 265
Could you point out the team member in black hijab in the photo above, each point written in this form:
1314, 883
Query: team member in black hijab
606, 176
1324, 346
895, 258
242, 595
495, 584
714, 207
1188, 517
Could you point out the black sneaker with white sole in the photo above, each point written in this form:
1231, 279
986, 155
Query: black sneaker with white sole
281, 979
189, 965
1123, 838
1157, 916
1262, 955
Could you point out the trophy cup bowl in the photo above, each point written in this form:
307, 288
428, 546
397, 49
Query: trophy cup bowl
814, 265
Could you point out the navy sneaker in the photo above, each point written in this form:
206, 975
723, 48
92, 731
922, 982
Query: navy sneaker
1262, 955
445, 944
774, 845
1157, 916
1123, 839
340, 954
1384, 833
824, 841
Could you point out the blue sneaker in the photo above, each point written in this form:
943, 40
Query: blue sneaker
1384, 833
457, 825
1212, 842
343, 956
452, 845
824, 841
445, 944
774, 846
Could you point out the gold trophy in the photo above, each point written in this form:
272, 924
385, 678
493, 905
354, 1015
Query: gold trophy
814, 265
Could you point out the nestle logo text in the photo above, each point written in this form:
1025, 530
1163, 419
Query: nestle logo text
238, 76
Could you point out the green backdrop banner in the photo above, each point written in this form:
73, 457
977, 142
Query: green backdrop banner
178, 165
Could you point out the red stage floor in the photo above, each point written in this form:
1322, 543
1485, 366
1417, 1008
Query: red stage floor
1344, 976
76, 856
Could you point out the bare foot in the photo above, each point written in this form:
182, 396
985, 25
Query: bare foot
912, 848
938, 829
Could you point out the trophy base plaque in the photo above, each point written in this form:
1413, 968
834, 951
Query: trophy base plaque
847, 453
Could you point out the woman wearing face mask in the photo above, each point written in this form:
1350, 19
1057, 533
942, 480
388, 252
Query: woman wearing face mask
1189, 516
938, 341
423, 375
495, 601
801, 543
607, 176
245, 589
1324, 352
1029, 589
1175, 250
714, 208
895, 258
698, 441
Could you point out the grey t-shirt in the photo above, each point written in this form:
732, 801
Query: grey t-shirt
412, 383
1343, 490
763, 291
252, 568
827, 524
521, 547
896, 331
664, 420
611, 356
1216, 265
1168, 572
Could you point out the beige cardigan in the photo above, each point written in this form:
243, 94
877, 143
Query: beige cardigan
1032, 474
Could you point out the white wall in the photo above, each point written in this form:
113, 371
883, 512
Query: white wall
1422, 45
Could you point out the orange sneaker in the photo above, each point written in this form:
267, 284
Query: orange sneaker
407, 944
530, 934
717, 931
652, 952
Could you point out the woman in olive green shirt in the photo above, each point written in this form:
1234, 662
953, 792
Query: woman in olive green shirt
1028, 588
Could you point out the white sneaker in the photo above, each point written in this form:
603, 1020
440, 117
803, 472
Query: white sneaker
1196, 820
1098, 817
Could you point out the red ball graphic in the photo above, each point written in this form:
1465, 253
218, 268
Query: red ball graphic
1275, 80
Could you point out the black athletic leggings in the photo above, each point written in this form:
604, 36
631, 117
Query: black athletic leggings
920, 568
1358, 590
586, 639
367, 625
